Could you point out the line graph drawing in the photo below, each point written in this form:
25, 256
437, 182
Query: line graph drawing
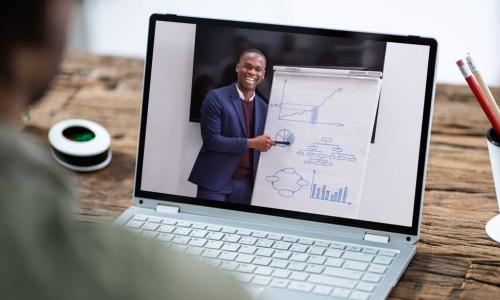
325, 153
323, 193
284, 135
309, 112
287, 181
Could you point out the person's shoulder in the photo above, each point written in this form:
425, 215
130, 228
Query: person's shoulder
260, 101
28, 167
224, 91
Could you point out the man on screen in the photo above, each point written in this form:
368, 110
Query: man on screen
232, 126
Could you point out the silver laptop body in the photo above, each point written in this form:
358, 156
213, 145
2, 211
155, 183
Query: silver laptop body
374, 246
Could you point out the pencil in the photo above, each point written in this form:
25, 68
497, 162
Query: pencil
480, 97
482, 84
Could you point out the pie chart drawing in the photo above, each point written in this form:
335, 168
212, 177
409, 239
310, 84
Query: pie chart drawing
284, 135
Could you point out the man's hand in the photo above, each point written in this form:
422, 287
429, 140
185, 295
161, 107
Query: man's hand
261, 143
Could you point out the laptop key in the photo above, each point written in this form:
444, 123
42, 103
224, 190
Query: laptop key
299, 257
365, 286
387, 253
248, 249
279, 263
315, 259
198, 226
246, 268
263, 270
199, 233
340, 292
230, 247
377, 268
214, 244
358, 256
140, 217
384, 260
333, 252
279, 283
180, 239
337, 246
150, 226
371, 277
357, 295
165, 237
262, 261
281, 254
273, 236
322, 290
296, 266
184, 223
227, 255
198, 242
333, 281
214, 227
169, 222
166, 228
317, 269
300, 286
299, 248
244, 232
306, 241
229, 230
321, 243
182, 231
351, 274
355, 265
281, 245
264, 243
301, 276
244, 258
353, 248
281, 273
233, 238
334, 262
316, 250
214, 235
264, 252
210, 253
248, 240
290, 239
155, 219
369, 250
259, 234
134, 224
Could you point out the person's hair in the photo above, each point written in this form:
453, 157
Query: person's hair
22, 23
252, 50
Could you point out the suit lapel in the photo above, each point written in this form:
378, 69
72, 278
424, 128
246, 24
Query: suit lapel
235, 99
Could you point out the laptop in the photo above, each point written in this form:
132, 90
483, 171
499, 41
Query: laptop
335, 205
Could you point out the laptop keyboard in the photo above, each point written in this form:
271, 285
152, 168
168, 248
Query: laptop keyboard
269, 259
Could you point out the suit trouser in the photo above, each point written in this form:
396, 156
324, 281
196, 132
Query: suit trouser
240, 191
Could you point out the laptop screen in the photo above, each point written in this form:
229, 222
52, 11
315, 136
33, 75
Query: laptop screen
298, 122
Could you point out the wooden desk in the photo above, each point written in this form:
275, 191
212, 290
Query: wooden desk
455, 258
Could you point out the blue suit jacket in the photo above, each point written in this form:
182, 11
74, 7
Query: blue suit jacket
224, 137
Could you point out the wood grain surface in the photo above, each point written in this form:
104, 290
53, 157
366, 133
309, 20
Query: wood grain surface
455, 258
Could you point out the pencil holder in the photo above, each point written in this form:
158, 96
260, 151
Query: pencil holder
493, 225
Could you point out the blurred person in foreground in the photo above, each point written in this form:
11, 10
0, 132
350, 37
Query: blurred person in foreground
44, 254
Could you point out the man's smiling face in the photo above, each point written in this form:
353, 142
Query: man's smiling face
251, 70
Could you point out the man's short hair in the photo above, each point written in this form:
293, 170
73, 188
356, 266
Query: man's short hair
22, 23
252, 50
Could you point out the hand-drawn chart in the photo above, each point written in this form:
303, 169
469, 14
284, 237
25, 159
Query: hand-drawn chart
327, 116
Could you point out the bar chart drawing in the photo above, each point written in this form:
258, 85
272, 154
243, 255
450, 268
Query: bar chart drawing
321, 192
284, 135
306, 110
287, 182
325, 153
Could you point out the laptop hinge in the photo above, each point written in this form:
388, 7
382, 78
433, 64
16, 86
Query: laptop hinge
378, 238
167, 209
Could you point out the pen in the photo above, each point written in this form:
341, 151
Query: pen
281, 143
482, 84
481, 98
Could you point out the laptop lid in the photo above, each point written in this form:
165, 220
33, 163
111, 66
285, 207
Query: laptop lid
353, 110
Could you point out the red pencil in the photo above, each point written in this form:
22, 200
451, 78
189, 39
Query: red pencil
480, 96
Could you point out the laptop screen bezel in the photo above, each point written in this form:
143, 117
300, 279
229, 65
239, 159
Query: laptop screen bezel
426, 122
